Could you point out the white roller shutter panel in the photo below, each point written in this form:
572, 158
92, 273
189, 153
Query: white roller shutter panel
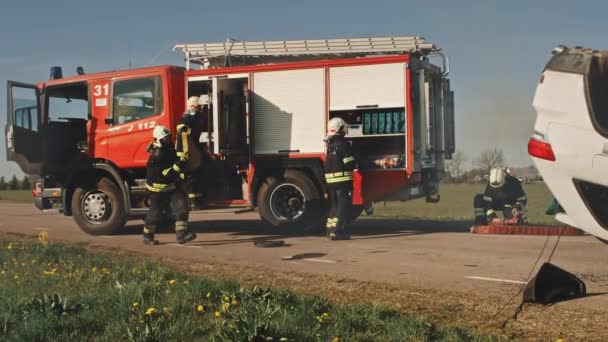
289, 111
367, 85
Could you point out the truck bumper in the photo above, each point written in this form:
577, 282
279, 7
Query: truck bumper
49, 198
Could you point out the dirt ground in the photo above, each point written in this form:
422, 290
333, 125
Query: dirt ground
414, 267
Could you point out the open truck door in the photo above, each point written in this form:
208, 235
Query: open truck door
23, 137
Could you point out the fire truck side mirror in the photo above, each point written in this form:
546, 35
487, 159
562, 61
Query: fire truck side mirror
109, 121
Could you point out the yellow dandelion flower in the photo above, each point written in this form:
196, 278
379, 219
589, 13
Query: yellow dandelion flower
336, 339
167, 310
150, 311
200, 308
43, 237
208, 294
135, 305
186, 282
226, 299
172, 281
217, 314
94, 269
54, 270
225, 307
234, 302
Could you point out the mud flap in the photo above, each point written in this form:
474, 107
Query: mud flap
552, 284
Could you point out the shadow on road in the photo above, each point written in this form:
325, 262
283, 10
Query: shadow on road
251, 231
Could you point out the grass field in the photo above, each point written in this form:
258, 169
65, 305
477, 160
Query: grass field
457, 204
16, 196
51, 292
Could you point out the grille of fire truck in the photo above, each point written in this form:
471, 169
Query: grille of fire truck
235, 53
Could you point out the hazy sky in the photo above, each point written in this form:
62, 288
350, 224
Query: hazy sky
497, 49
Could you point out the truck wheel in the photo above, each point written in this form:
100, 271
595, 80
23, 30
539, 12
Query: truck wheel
99, 209
292, 203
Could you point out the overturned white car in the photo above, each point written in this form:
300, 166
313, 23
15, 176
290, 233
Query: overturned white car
570, 142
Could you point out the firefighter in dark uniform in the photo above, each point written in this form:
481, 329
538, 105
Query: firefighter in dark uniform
189, 150
339, 165
505, 194
163, 177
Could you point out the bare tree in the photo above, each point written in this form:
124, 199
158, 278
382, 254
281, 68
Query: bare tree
489, 159
455, 165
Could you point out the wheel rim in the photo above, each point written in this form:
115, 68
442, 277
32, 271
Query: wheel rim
96, 206
287, 202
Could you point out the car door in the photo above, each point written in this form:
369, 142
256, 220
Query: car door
23, 137
136, 106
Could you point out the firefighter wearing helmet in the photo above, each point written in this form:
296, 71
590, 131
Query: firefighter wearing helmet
503, 193
163, 178
189, 150
339, 165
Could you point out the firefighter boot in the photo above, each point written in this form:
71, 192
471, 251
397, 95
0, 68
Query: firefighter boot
342, 235
184, 236
149, 240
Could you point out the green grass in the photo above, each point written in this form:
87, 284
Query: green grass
52, 292
16, 196
457, 204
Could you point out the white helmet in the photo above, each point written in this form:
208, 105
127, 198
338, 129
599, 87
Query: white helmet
193, 101
204, 100
160, 132
497, 177
335, 125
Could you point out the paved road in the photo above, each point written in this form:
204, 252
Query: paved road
389, 251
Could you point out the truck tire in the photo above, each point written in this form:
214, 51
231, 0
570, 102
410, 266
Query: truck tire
291, 203
99, 209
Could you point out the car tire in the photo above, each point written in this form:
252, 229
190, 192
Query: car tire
291, 203
99, 209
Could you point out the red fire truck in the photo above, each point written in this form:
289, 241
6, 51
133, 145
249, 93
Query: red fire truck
86, 135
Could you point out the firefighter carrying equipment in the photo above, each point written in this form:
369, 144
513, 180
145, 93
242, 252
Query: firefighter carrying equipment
190, 153
339, 165
510, 198
163, 175
187, 144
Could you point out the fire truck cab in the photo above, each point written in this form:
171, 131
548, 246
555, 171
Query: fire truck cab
269, 103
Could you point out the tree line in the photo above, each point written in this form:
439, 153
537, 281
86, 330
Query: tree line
456, 171
15, 184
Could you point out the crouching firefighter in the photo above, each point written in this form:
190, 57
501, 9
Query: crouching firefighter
190, 151
339, 165
503, 193
163, 177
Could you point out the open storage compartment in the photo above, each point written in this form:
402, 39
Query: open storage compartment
377, 136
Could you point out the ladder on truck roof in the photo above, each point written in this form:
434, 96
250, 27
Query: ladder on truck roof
233, 52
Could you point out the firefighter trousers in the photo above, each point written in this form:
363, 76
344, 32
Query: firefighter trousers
485, 208
165, 206
340, 202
